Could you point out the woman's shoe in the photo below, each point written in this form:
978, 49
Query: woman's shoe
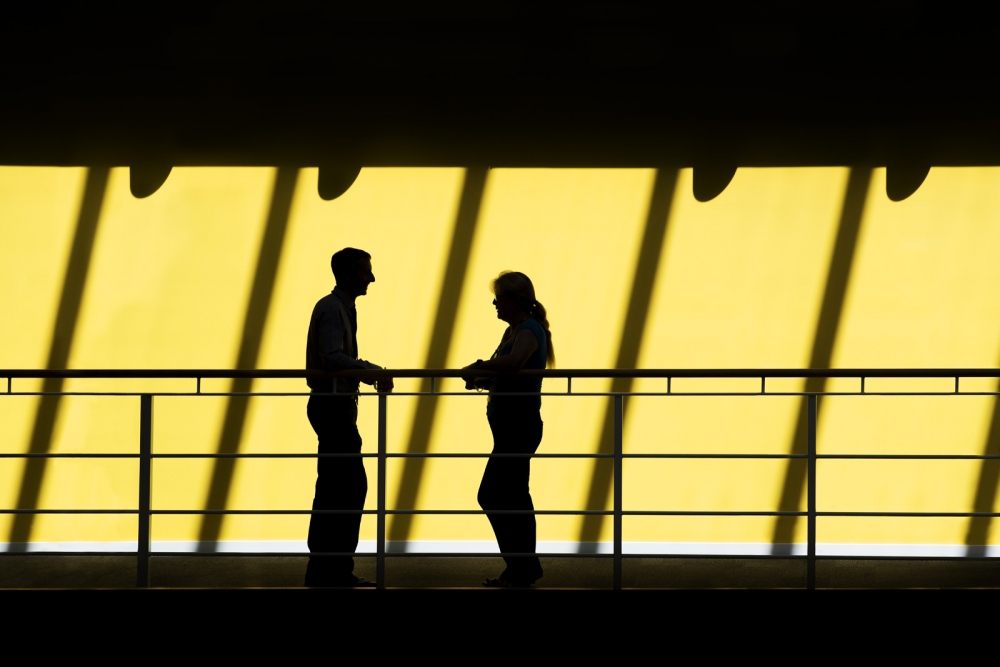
506, 581
495, 582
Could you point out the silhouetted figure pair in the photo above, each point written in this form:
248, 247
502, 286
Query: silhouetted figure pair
341, 483
516, 423
513, 412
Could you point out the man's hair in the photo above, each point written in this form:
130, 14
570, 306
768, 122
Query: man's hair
345, 263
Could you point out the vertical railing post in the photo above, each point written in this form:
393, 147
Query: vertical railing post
380, 527
145, 470
811, 495
618, 493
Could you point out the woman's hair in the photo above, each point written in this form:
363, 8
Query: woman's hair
518, 286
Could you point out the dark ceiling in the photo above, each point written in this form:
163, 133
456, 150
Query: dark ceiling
306, 83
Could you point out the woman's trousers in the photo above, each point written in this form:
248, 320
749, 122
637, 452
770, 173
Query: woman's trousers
505, 487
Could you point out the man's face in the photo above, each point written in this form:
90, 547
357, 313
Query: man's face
364, 278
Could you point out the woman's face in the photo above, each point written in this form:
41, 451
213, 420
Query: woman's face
506, 307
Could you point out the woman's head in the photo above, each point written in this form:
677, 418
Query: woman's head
515, 295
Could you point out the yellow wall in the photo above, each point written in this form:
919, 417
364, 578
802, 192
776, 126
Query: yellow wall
739, 284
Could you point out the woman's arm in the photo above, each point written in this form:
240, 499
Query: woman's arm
525, 344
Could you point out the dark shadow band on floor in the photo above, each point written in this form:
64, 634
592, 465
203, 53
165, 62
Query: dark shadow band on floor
827, 326
646, 269
258, 306
63, 333
442, 332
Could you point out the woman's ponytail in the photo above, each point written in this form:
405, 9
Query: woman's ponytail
538, 312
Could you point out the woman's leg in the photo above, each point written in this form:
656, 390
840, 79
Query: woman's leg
505, 486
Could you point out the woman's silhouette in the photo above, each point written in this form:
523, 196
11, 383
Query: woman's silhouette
516, 424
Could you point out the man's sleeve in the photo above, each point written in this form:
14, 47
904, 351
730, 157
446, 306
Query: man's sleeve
330, 342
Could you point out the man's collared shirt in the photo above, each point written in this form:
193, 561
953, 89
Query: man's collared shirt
332, 342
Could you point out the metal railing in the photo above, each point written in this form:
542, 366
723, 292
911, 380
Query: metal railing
145, 455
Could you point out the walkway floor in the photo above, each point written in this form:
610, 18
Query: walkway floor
69, 571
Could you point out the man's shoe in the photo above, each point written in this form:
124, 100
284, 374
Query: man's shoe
361, 582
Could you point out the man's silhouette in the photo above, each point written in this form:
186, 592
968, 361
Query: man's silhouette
341, 483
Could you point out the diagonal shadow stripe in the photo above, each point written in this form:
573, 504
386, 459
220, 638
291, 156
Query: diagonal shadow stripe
827, 326
440, 343
253, 332
63, 333
646, 269
977, 536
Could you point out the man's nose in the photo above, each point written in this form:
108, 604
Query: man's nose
372, 276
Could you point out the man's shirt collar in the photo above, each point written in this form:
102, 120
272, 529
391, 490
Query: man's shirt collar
343, 296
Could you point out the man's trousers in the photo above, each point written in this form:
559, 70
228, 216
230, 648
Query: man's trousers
341, 484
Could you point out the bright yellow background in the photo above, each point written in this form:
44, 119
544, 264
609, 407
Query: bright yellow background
739, 284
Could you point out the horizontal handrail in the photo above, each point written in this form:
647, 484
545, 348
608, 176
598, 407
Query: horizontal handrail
501, 455
493, 554
722, 373
818, 513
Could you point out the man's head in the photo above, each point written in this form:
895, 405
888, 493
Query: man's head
352, 269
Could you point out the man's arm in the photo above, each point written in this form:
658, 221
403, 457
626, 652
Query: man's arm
330, 331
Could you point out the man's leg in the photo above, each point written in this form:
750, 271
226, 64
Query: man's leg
341, 484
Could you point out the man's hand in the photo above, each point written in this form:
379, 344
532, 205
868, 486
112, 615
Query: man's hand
382, 385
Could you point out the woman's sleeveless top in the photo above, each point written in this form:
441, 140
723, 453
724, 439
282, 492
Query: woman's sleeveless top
537, 360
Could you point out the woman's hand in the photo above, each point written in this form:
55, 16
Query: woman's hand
472, 382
